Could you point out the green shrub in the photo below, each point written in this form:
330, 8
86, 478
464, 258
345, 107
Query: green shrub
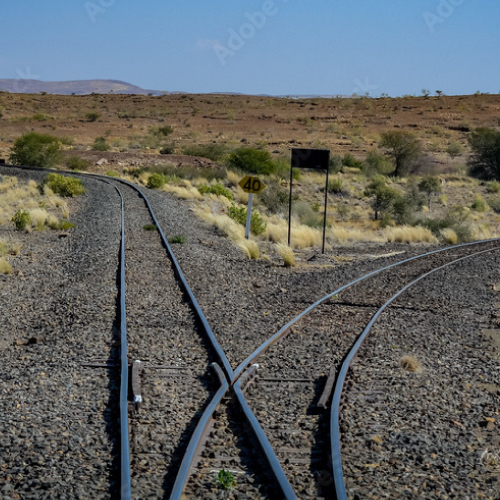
478, 204
335, 165
156, 181
21, 220
167, 149
36, 150
336, 185
180, 238
485, 160
351, 162
383, 196
455, 219
100, 144
493, 187
430, 185
112, 173
252, 161
494, 204
92, 117
217, 189
275, 198
150, 227
377, 163
342, 211
225, 480
454, 149
62, 225
172, 172
239, 214
64, 186
214, 152
77, 163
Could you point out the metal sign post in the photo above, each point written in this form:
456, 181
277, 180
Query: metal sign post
250, 185
315, 159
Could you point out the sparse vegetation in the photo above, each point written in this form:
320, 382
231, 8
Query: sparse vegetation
21, 220
252, 161
156, 181
402, 148
410, 364
225, 480
100, 144
485, 160
216, 189
5, 267
36, 150
180, 239
214, 152
67, 187
239, 214
150, 227
286, 254
78, 163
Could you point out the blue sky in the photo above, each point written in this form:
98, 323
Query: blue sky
282, 47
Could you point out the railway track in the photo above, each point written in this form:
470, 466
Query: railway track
291, 416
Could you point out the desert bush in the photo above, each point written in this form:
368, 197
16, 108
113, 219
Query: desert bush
63, 186
409, 234
494, 204
275, 198
252, 161
217, 189
336, 185
454, 149
92, 117
342, 211
21, 219
214, 152
172, 172
167, 149
36, 150
112, 173
162, 131
478, 204
493, 187
78, 163
377, 163
402, 148
100, 144
383, 196
430, 186
485, 160
350, 161
335, 165
239, 214
150, 227
156, 181
251, 248
61, 225
455, 218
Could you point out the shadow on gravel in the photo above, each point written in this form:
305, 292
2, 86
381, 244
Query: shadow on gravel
321, 461
178, 454
112, 412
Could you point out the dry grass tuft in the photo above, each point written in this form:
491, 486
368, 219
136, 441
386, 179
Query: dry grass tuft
250, 248
409, 234
39, 218
410, 364
449, 236
186, 193
5, 266
286, 254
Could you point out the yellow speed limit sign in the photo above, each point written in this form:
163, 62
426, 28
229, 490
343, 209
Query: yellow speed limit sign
252, 185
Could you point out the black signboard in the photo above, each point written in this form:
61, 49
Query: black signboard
310, 158
318, 159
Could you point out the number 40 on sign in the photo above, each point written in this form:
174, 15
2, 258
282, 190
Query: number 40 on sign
251, 185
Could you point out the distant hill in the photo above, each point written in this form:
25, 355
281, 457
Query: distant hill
77, 87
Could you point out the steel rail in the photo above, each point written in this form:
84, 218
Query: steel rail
252, 358
264, 443
125, 480
234, 376
196, 442
208, 330
334, 416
